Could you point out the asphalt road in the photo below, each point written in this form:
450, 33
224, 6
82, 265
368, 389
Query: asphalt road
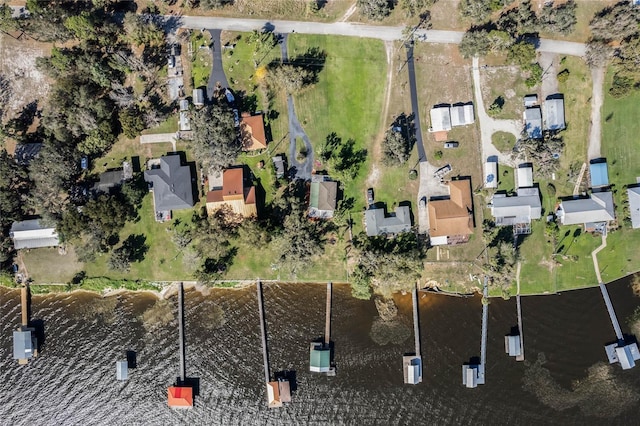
351, 29
422, 156
217, 71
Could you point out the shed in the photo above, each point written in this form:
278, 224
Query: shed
440, 119
624, 353
599, 173
530, 100
278, 163
554, 113
184, 105
180, 397
32, 233
524, 175
470, 376
122, 372
185, 124
533, 122
25, 344
512, 345
198, 97
319, 358
491, 174
462, 114
633, 194
412, 369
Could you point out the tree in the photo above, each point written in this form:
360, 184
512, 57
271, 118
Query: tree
521, 53
475, 42
131, 122
519, 21
375, 10
214, 4
414, 7
395, 148
291, 78
214, 143
141, 29
499, 40
616, 22
119, 260
477, 11
14, 188
598, 53
559, 19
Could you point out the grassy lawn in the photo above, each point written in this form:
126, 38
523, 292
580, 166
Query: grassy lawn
537, 273
506, 82
201, 62
507, 179
503, 141
347, 99
46, 265
240, 68
162, 261
170, 125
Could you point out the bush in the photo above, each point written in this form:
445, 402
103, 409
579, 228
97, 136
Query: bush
621, 86
437, 155
563, 75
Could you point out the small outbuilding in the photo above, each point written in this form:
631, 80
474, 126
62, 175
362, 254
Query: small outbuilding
533, 122
319, 358
180, 397
599, 173
512, 345
624, 353
524, 176
530, 100
122, 371
198, 97
32, 233
633, 194
554, 113
278, 164
25, 344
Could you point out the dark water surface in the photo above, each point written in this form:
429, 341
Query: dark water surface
73, 380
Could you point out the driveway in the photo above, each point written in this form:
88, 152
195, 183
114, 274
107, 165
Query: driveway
488, 125
549, 63
298, 170
597, 78
217, 70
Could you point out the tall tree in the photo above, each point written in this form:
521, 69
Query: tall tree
215, 143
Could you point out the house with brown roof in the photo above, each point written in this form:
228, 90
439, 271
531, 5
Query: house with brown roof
322, 197
236, 192
252, 134
451, 219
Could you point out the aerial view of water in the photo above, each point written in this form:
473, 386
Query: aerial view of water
564, 380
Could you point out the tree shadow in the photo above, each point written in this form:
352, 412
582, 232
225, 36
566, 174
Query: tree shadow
313, 60
136, 246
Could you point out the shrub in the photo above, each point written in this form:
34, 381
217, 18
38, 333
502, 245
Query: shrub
563, 75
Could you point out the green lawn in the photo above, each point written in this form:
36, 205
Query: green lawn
162, 262
170, 125
507, 179
503, 141
201, 62
347, 99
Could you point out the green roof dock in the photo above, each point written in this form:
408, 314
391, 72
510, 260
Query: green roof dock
320, 352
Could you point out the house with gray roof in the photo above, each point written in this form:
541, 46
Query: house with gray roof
378, 223
633, 194
593, 212
518, 210
171, 186
32, 233
554, 113
533, 122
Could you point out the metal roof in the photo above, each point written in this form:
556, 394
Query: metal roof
376, 223
554, 114
461, 115
522, 208
634, 205
491, 174
533, 122
440, 119
599, 174
319, 358
32, 234
524, 176
24, 344
530, 100
122, 372
597, 208
171, 184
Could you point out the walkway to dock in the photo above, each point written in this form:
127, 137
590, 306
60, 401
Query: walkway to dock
603, 289
519, 307
181, 333
485, 317
263, 331
416, 321
327, 321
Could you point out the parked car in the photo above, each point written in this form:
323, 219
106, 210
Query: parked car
236, 118
423, 202
451, 144
84, 163
370, 196
171, 61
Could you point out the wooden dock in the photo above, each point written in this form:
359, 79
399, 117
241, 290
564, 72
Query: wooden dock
519, 308
483, 343
183, 367
416, 321
263, 331
327, 320
24, 300
612, 313
412, 364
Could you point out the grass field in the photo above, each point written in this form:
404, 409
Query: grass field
506, 181
505, 82
503, 141
347, 99
201, 62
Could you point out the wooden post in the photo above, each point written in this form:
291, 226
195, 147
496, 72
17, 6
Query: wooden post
327, 321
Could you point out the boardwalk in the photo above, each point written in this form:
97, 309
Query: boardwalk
603, 289
416, 321
263, 331
327, 321
181, 333
519, 308
483, 344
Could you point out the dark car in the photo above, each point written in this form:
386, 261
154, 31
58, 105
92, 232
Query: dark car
84, 163
370, 196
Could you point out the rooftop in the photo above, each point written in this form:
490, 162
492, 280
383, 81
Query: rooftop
180, 397
32, 234
236, 192
322, 199
634, 205
171, 184
454, 215
597, 208
554, 113
533, 122
599, 173
252, 132
377, 223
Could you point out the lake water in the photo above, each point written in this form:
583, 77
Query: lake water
73, 380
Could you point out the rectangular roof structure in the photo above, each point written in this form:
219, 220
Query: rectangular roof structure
322, 199
461, 115
533, 122
554, 113
470, 376
108, 180
319, 358
520, 209
171, 182
597, 208
31, 233
412, 369
198, 97
512, 345
491, 174
440, 119
452, 216
633, 194
122, 372
599, 173
376, 223
278, 163
236, 192
252, 133
24, 343
524, 176
530, 100
180, 397
185, 124
184, 105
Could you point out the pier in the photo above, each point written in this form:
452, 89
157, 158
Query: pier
412, 365
25, 344
514, 342
278, 391
321, 353
473, 374
181, 395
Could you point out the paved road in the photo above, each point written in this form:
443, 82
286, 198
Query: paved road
349, 29
422, 156
298, 170
217, 70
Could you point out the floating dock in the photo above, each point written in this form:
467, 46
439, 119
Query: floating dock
25, 344
181, 395
412, 364
278, 391
472, 373
320, 353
